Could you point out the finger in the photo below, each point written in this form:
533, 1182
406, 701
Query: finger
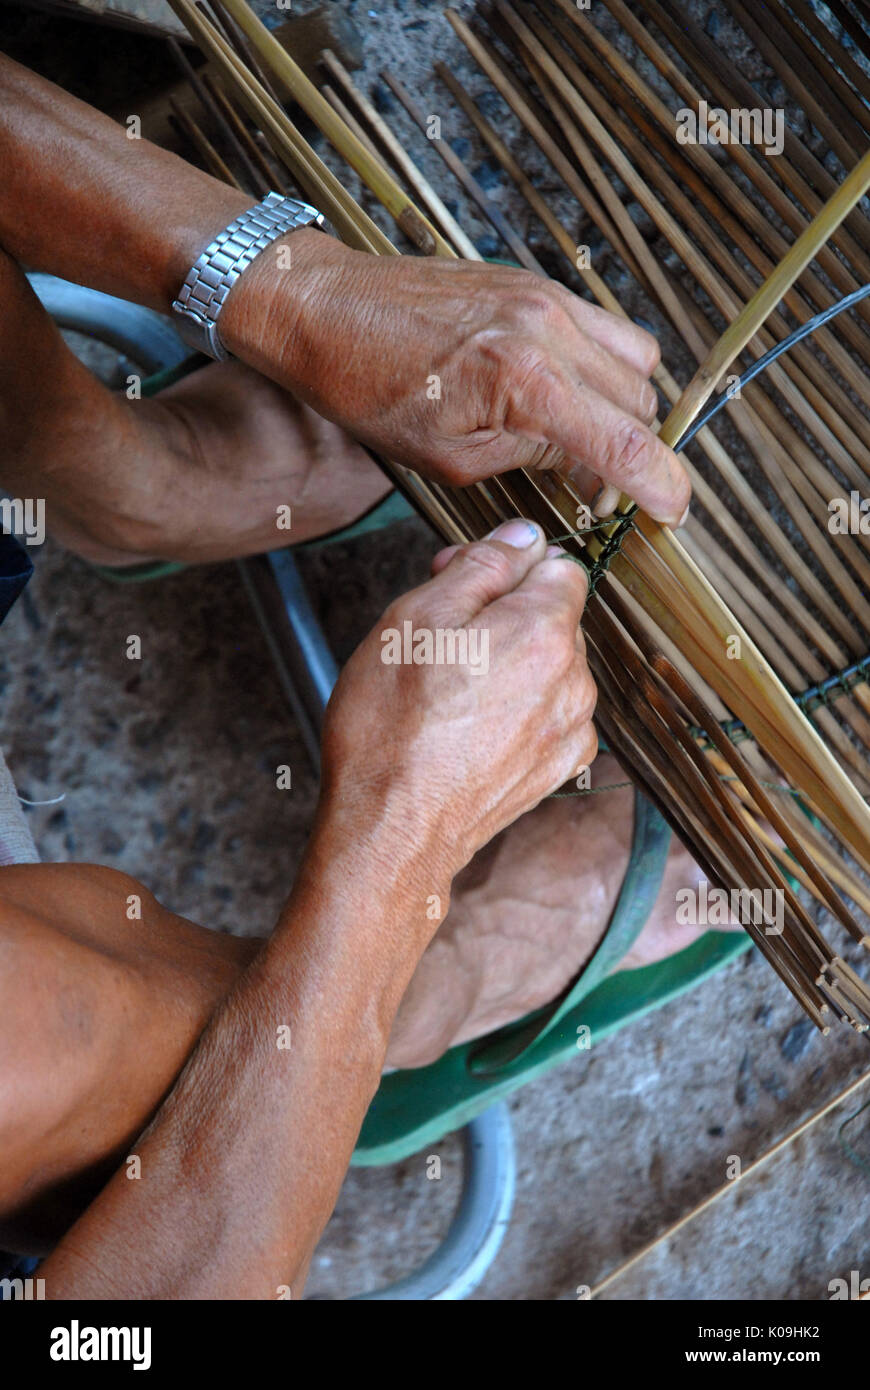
442, 558
605, 500
475, 575
556, 587
600, 499
619, 335
589, 427
598, 369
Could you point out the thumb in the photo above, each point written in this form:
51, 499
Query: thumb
468, 578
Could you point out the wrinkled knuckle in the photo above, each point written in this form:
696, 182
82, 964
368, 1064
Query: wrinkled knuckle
629, 451
535, 301
526, 369
549, 312
487, 561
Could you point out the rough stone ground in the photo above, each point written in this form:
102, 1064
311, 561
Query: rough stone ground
167, 771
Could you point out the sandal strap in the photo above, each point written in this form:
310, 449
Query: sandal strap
651, 841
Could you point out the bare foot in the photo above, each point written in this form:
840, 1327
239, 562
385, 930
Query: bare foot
527, 914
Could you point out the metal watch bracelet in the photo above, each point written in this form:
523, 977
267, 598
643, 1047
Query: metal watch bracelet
211, 277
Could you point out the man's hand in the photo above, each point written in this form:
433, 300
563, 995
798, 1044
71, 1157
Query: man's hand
459, 370
242, 1163
451, 754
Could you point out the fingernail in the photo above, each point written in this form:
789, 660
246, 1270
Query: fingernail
605, 500
684, 518
519, 533
554, 551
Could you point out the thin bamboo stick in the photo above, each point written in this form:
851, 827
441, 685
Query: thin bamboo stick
829, 71
670, 1231
405, 213
349, 119
702, 57
403, 161
710, 186
213, 161
315, 178
517, 248
779, 50
799, 169
254, 177
253, 151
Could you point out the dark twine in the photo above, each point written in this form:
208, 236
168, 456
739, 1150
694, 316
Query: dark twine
852, 1154
622, 522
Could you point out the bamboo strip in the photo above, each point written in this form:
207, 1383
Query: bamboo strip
349, 119
720, 1192
518, 248
711, 187
255, 154
403, 162
405, 213
779, 50
196, 136
829, 70
255, 181
701, 56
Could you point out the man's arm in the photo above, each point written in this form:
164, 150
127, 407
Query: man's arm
82, 201
422, 766
529, 375
242, 1165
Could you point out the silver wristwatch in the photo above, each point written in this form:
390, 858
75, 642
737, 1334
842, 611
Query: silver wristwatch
213, 274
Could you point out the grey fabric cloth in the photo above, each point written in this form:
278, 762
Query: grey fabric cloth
16, 841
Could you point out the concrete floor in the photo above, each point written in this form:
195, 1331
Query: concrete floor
167, 772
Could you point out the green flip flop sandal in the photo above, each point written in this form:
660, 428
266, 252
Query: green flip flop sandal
416, 1108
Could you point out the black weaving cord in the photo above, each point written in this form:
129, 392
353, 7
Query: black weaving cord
843, 682
624, 522
763, 362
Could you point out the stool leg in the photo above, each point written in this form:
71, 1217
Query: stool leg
478, 1228
306, 667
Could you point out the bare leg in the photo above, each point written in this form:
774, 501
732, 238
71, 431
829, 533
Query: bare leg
196, 474
97, 1017
101, 1014
524, 919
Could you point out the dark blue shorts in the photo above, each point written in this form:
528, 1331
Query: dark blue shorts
16, 567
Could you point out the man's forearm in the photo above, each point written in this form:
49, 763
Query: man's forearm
243, 1163
80, 200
